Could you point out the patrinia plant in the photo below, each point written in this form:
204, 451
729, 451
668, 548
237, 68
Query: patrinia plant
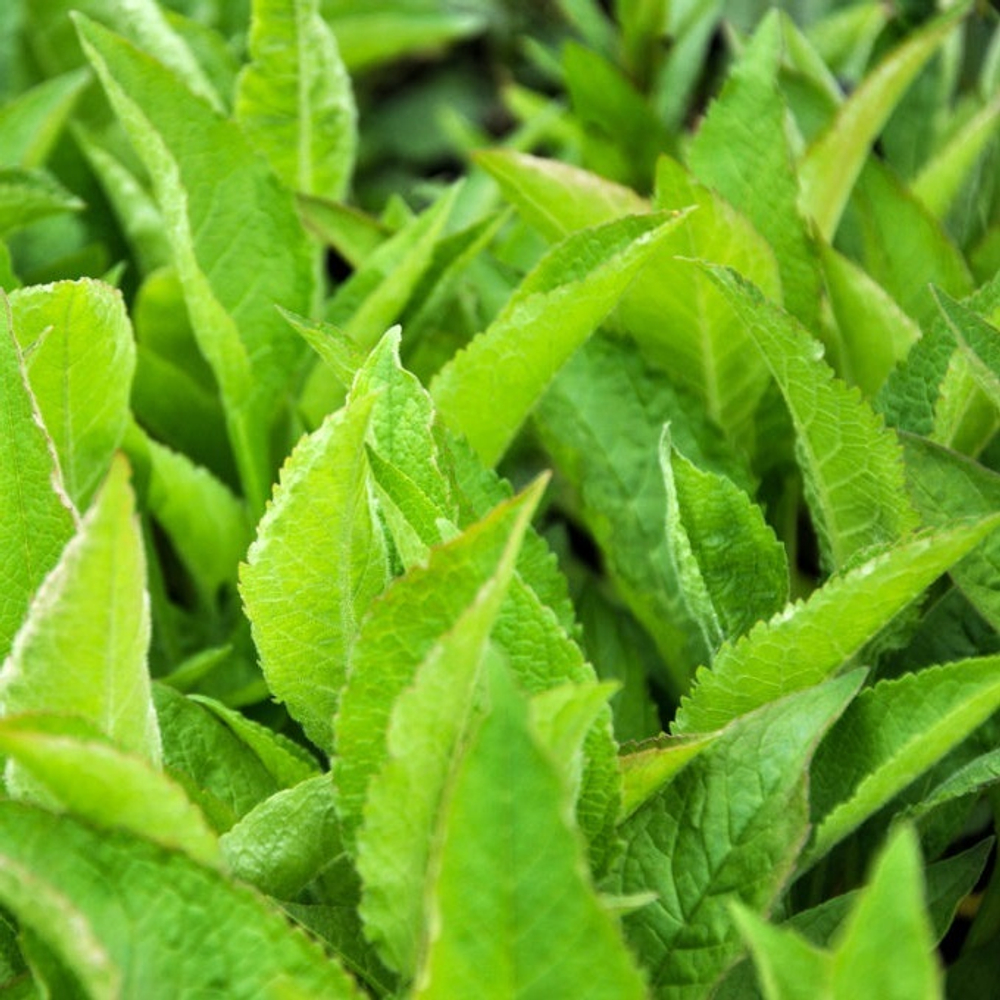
577, 579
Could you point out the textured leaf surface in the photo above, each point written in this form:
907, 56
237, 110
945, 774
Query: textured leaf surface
508, 834
811, 640
82, 649
27, 196
487, 391
237, 243
36, 518
294, 99
890, 735
730, 825
317, 563
427, 731
650, 765
286, 840
82, 356
85, 775
851, 464
122, 919
732, 570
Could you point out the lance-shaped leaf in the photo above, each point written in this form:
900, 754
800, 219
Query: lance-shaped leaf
890, 735
945, 486
294, 98
874, 332
650, 765
488, 389
287, 840
237, 242
82, 356
732, 570
120, 921
317, 563
812, 640
885, 949
36, 516
78, 770
428, 729
29, 195
507, 832
730, 825
978, 340
833, 162
742, 139
851, 464
30, 125
82, 649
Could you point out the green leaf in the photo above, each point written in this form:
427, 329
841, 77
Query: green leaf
29, 195
428, 727
832, 163
812, 640
742, 139
219, 771
649, 766
851, 464
316, 565
36, 516
875, 334
237, 243
286, 840
507, 834
731, 824
204, 521
601, 422
487, 391
83, 774
294, 99
890, 735
732, 570
978, 340
121, 920
941, 178
81, 359
82, 649
348, 230
945, 486
31, 124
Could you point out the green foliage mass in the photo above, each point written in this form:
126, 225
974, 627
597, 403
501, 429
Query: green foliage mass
499, 499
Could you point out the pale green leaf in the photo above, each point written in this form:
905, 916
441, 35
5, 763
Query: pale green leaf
851, 464
30, 125
316, 565
731, 824
82, 649
428, 728
287, 840
946, 486
744, 138
348, 230
36, 516
81, 356
121, 921
294, 98
832, 163
942, 177
82, 773
237, 242
29, 195
732, 570
507, 832
648, 766
875, 334
979, 342
812, 640
487, 391
890, 735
